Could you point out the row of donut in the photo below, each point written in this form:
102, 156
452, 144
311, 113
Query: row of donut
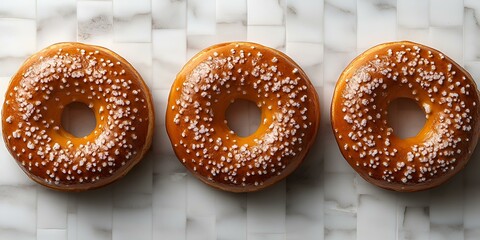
195, 119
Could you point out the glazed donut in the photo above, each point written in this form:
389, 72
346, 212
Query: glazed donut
200, 96
442, 88
73, 72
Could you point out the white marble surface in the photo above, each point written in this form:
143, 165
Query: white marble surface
324, 199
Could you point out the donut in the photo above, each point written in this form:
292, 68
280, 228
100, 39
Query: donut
73, 72
442, 89
200, 96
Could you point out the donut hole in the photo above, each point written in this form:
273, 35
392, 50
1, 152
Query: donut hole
405, 117
78, 119
243, 117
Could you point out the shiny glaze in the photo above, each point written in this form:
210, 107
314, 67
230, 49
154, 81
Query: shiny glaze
74, 72
202, 92
441, 87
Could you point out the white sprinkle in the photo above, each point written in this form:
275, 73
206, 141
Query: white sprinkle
427, 108
56, 146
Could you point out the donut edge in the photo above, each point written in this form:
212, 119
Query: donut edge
408, 187
233, 188
117, 175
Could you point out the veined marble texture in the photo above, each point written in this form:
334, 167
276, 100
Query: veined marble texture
323, 199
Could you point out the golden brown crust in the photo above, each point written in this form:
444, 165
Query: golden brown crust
203, 91
74, 72
441, 87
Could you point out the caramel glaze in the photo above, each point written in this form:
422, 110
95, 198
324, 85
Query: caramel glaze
442, 88
202, 92
73, 72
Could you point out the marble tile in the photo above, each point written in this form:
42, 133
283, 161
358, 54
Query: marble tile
201, 198
51, 234
169, 205
166, 164
17, 45
266, 236
195, 43
449, 41
305, 216
441, 8
265, 215
338, 220
231, 11
471, 178
10, 172
138, 181
169, 56
229, 32
139, 55
444, 203
446, 232
231, 217
332, 157
167, 14
303, 23
365, 188
200, 227
471, 4
95, 214
376, 209
473, 67
128, 207
272, 36
95, 22
18, 9
446, 214
56, 22
10, 65
323, 92
310, 58
471, 234
340, 26
419, 35
414, 223
19, 204
51, 209
334, 64
225, 32
471, 37
341, 202
340, 235
376, 22
413, 13
210, 218
201, 17
415, 199
471, 209
161, 143
72, 226
132, 22
160, 98
274, 16
340, 192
